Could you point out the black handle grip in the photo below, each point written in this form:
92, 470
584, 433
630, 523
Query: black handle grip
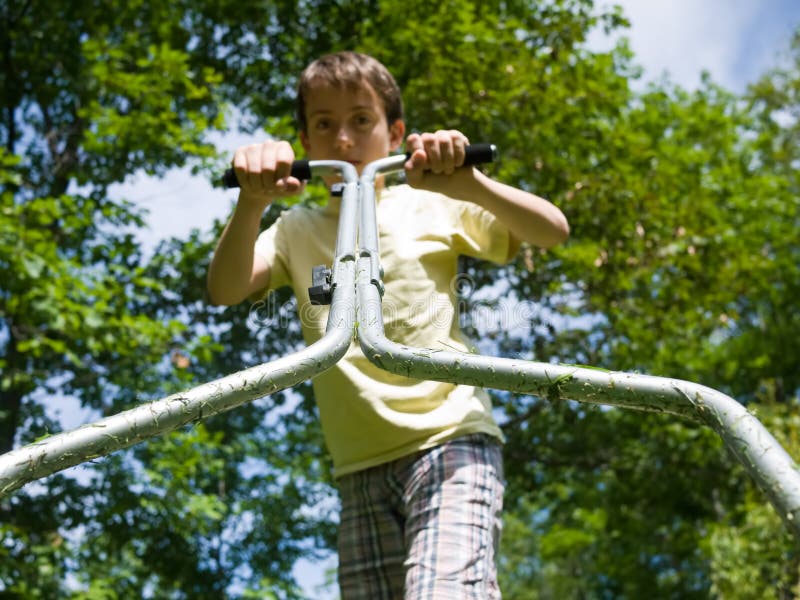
300, 169
476, 154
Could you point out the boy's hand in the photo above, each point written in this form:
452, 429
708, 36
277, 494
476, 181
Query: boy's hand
435, 157
263, 171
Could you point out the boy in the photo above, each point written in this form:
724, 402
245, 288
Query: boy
417, 463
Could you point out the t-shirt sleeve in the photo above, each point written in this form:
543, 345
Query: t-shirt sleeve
271, 246
481, 235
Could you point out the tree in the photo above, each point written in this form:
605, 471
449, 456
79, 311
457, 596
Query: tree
90, 94
679, 269
678, 266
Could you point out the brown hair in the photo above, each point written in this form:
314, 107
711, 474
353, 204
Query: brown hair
350, 69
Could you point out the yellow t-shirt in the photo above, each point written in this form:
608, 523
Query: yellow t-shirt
370, 416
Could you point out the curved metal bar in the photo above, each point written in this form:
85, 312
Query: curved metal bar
64, 450
771, 467
768, 463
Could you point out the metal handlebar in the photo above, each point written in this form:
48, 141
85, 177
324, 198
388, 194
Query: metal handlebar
357, 285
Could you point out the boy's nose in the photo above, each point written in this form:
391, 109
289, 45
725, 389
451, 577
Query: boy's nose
343, 138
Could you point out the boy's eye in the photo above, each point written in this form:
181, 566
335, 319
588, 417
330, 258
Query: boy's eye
322, 125
363, 120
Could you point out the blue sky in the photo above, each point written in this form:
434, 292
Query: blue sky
735, 40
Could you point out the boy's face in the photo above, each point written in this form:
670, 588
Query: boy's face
348, 124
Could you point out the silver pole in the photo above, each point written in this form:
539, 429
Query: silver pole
773, 470
771, 467
768, 463
64, 450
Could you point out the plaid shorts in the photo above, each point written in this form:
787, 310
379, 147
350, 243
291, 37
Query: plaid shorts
425, 526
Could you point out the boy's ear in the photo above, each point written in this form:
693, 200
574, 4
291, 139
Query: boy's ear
397, 132
304, 140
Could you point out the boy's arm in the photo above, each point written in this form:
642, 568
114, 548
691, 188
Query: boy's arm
236, 271
434, 165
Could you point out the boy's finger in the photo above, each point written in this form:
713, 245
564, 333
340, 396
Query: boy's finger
239, 164
413, 142
459, 150
446, 152
417, 159
266, 166
284, 155
292, 185
432, 152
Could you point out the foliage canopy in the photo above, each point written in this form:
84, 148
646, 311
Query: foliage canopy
683, 262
